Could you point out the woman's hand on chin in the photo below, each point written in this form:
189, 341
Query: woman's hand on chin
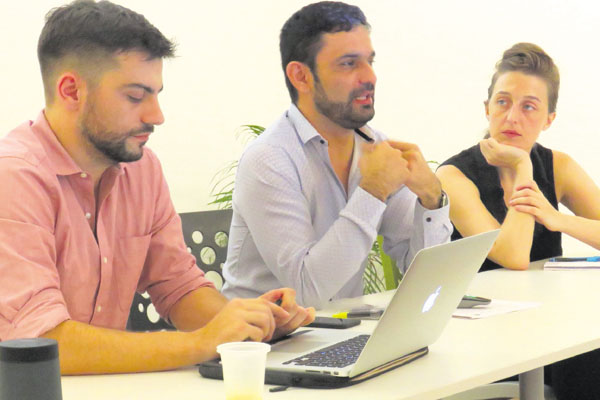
502, 155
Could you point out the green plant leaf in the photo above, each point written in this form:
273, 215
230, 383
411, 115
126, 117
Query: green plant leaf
223, 181
373, 281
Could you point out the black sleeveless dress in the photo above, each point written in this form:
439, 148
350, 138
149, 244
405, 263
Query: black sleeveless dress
474, 166
576, 378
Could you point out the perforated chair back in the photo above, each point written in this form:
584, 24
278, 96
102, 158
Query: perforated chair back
206, 234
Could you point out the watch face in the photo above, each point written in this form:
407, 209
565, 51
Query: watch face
443, 199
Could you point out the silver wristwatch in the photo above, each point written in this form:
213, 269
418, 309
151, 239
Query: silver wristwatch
443, 200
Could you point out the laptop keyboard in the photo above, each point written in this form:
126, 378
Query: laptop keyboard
338, 355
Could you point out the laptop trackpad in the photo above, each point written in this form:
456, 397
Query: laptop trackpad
298, 346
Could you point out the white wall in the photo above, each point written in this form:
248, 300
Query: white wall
434, 62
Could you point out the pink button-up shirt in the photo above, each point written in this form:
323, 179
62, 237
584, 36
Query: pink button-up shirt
52, 268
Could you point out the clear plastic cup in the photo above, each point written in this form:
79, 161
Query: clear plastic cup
244, 369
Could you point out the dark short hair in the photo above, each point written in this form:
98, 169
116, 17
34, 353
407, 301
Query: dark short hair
300, 38
92, 33
530, 59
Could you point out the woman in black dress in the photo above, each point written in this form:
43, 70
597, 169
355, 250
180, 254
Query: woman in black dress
509, 181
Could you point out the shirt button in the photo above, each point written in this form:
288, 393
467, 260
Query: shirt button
99, 308
88, 215
105, 260
83, 175
428, 219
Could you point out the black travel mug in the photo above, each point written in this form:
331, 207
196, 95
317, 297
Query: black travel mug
29, 370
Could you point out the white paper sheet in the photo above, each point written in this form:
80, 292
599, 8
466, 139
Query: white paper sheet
495, 307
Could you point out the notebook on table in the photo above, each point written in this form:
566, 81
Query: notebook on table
420, 308
572, 263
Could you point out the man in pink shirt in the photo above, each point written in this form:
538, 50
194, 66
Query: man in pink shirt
86, 218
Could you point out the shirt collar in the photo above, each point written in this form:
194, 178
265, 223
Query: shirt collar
60, 161
305, 130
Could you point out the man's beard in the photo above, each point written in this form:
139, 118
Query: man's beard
342, 113
113, 145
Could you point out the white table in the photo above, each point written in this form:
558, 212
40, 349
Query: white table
469, 353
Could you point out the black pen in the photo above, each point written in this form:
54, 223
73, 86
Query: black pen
363, 135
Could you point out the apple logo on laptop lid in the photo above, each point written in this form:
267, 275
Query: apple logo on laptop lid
431, 300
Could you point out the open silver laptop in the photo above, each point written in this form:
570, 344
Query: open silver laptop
422, 305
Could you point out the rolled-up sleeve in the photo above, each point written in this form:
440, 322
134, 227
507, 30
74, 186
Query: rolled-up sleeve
31, 302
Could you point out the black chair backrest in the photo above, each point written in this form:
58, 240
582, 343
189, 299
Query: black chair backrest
206, 234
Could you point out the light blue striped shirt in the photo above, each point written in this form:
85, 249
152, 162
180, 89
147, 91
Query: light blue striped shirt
294, 226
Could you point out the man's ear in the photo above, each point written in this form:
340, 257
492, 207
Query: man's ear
69, 90
300, 76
